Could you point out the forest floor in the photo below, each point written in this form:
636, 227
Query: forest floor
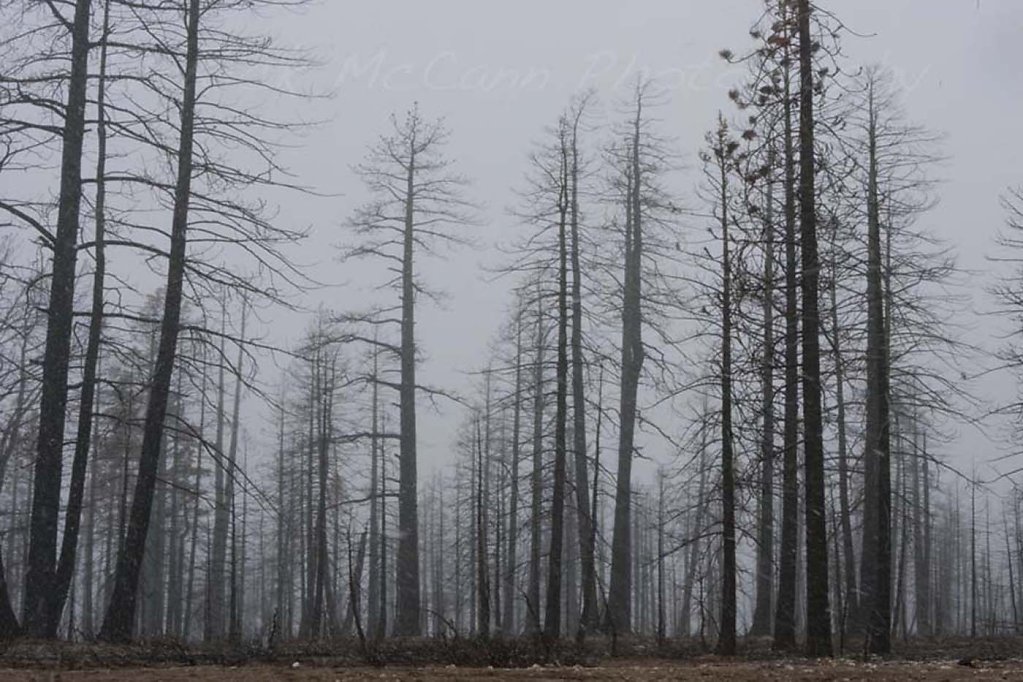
428, 660
792, 671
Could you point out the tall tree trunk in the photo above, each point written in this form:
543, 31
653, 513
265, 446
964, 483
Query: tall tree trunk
850, 599
234, 626
818, 620
588, 618
619, 611
920, 568
495, 502
319, 556
785, 609
221, 512
973, 556
876, 565
482, 578
375, 575
407, 595
382, 615
661, 520
76, 492
552, 621
120, 616
197, 501
175, 559
536, 478
927, 622
511, 557
761, 626
89, 565
41, 579
692, 563
726, 637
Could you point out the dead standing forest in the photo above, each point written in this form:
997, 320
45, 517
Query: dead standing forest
780, 339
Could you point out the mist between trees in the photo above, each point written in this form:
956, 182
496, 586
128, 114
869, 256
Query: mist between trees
780, 341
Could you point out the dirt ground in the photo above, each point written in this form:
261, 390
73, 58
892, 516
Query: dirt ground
708, 669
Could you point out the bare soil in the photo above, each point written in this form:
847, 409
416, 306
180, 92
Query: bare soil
501, 659
787, 671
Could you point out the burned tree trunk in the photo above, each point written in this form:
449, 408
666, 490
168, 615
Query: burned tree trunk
619, 609
41, 577
876, 565
120, 615
818, 620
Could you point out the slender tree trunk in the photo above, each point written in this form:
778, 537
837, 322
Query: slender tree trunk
382, 616
482, 578
234, 624
588, 618
877, 512
726, 638
818, 621
173, 596
661, 520
41, 579
407, 595
920, 567
536, 511
552, 622
308, 507
76, 493
319, 556
495, 503
973, 558
692, 563
785, 609
88, 579
851, 596
197, 501
761, 626
117, 625
375, 575
927, 626
619, 611
511, 557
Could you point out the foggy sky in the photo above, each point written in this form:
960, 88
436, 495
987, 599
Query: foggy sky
500, 72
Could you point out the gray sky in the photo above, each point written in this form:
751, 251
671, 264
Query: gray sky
500, 72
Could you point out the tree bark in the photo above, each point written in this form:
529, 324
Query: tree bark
619, 610
761, 626
876, 564
588, 618
726, 637
785, 609
120, 616
552, 621
407, 596
511, 557
818, 621
851, 597
536, 479
482, 578
41, 580
76, 493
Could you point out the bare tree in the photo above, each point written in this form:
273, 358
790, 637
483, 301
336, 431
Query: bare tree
417, 202
41, 580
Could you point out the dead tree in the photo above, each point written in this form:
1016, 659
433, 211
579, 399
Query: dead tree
41, 580
818, 620
417, 205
